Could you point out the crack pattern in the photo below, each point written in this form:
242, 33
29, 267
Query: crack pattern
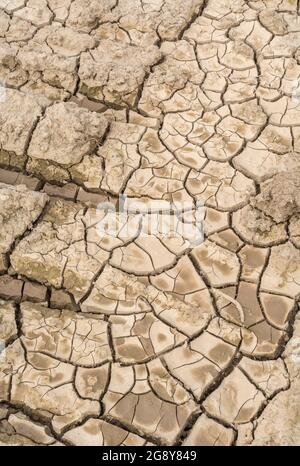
122, 336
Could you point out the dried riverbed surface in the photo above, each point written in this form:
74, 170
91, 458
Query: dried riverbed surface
121, 324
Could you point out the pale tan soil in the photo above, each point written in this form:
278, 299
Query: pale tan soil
131, 337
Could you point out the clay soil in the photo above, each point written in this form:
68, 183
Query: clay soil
112, 333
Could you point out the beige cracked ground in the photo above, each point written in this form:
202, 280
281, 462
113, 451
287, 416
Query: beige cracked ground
130, 337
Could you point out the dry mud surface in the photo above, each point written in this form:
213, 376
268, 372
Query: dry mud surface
129, 337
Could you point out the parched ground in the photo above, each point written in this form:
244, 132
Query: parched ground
129, 337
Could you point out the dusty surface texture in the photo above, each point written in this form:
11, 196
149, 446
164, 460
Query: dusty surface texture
121, 335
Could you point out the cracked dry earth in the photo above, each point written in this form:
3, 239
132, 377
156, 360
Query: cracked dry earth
135, 338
